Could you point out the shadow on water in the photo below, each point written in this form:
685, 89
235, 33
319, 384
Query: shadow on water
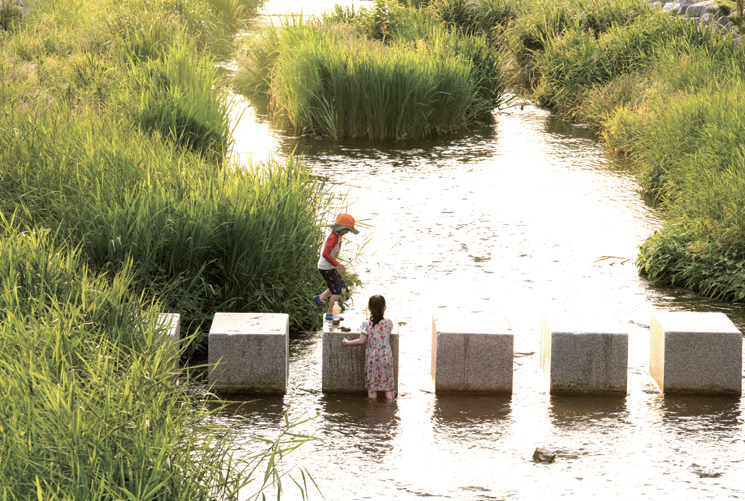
720, 412
357, 410
565, 128
359, 426
457, 410
457, 147
580, 410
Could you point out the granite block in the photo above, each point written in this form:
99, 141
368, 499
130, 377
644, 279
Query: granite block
343, 368
584, 354
474, 355
249, 352
695, 352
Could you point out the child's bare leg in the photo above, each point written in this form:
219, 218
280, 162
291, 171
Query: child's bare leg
324, 295
389, 395
332, 302
372, 394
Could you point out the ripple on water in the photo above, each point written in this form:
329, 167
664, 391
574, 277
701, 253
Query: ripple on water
511, 220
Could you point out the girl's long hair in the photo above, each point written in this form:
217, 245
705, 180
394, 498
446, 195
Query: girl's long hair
376, 305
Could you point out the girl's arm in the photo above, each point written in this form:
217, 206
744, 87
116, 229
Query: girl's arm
360, 340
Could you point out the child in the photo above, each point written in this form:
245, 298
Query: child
378, 355
329, 267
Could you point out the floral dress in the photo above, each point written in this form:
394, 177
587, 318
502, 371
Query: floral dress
378, 355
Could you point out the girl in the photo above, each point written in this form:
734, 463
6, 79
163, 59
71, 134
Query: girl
376, 332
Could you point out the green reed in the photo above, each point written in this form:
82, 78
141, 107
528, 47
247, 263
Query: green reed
664, 91
389, 73
90, 409
701, 180
179, 97
113, 129
475, 16
241, 238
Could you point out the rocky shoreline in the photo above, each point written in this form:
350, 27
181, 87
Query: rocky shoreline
14, 4
702, 13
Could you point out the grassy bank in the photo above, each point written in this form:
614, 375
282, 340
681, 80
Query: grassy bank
664, 91
89, 405
117, 203
390, 72
115, 125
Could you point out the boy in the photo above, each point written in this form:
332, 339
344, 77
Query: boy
329, 267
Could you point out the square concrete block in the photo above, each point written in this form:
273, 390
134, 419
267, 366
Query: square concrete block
695, 352
584, 354
343, 368
472, 355
172, 323
249, 352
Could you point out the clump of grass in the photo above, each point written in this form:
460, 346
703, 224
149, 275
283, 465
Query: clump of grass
179, 97
342, 87
384, 74
90, 409
9, 15
539, 25
703, 245
475, 16
203, 240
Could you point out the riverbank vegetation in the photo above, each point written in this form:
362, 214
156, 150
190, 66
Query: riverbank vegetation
389, 72
115, 129
117, 201
89, 405
663, 90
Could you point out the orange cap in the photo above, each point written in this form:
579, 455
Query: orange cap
344, 220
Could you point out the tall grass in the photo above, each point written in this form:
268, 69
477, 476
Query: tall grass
388, 73
113, 128
90, 409
179, 97
698, 169
202, 239
538, 25
122, 152
475, 16
343, 86
666, 92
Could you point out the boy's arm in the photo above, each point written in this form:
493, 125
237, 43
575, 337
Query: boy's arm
331, 242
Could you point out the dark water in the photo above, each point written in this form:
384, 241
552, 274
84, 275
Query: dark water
510, 220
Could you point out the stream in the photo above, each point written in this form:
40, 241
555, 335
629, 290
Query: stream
524, 217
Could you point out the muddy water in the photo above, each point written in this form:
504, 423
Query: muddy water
508, 221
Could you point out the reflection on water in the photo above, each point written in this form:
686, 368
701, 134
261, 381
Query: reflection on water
580, 411
511, 220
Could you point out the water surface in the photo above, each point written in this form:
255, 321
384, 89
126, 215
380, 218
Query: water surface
509, 221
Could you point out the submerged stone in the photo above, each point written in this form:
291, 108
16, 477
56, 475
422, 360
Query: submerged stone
541, 455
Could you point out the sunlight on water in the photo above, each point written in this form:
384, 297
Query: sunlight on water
511, 220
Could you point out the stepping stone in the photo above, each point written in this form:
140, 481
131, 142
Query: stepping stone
695, 352
584, 354
343, 368
472, 355
249, 352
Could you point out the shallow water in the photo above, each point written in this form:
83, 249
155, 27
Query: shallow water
509, 221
